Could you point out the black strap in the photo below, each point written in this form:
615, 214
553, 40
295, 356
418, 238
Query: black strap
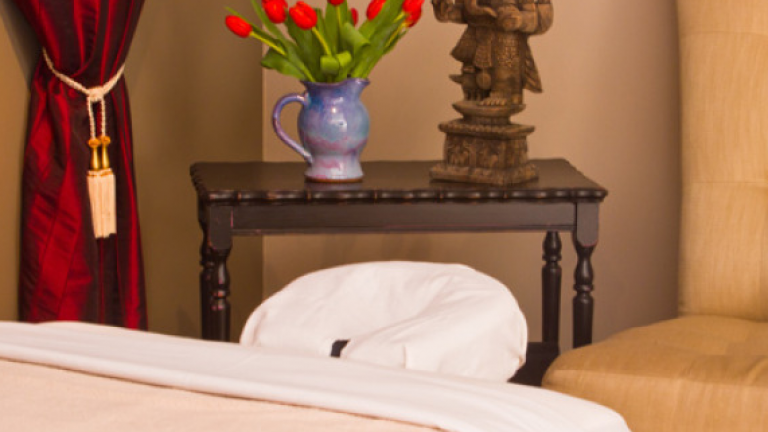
338, 346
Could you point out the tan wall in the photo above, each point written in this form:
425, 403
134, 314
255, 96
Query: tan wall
16, 43
195, 94
610, 106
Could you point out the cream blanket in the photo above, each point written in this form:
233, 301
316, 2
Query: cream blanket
246, 374
36, 398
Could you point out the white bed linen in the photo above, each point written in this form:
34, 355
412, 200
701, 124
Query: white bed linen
452, 404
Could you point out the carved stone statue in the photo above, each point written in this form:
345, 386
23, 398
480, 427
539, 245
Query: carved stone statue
496, 66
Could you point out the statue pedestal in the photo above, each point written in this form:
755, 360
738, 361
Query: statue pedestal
485, 147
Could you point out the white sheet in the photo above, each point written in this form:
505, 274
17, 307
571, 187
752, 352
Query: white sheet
446, 318
461, 405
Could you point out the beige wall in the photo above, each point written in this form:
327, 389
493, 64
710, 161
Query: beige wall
196, 96
16, 43
610, 106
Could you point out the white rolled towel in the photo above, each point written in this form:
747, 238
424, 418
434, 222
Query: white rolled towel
445, 318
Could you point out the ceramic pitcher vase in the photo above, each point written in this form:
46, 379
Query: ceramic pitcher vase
333, 129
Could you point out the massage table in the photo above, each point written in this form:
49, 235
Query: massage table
68, 376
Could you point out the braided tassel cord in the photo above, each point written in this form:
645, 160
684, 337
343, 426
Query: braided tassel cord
101, 180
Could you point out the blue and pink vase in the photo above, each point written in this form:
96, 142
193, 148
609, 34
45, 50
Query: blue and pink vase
333, 129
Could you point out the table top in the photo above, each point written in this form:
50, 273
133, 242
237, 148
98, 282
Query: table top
238, 183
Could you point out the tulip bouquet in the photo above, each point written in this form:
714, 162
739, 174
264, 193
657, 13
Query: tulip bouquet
327, 46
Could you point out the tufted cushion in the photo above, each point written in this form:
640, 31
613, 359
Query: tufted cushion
445, 318
724, 229
697, 373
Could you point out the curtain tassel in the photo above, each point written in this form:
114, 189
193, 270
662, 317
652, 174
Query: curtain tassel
101, 180
101, 189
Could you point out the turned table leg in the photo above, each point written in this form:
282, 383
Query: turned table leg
214, 275
551, 277
583, 303
218, 298
206, 271
584, 241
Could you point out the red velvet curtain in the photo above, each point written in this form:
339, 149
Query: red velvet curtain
66, 273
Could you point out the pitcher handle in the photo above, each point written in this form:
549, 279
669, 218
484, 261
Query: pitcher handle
281, 103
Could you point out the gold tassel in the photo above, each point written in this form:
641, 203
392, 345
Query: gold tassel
108, 190
101, 189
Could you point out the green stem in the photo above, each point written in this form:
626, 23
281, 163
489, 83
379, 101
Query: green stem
269, 43
304, 69
401, 27
339, 23
338, 17
368, 70
282, 52
320, 38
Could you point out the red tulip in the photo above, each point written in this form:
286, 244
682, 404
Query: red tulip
335, 2
303, 15
374, 8
275, 10
353, 11
282, 2
411, 6
238, 26
413, 18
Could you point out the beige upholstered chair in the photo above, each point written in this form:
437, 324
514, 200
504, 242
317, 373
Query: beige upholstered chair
708, 369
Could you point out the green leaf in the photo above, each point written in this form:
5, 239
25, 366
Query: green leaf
353, 38
384, 35
345, 60
308, 48
341, 16
389, 14
371, 54
331, 27
364, 61
394, 42
337, 65
329, 65
346, 16
293, 56
273, 60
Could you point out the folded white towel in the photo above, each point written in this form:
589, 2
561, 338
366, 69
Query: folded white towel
445, 318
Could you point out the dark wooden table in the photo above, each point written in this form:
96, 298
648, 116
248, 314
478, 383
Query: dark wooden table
258, 198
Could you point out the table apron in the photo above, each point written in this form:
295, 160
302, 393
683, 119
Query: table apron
406, 217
